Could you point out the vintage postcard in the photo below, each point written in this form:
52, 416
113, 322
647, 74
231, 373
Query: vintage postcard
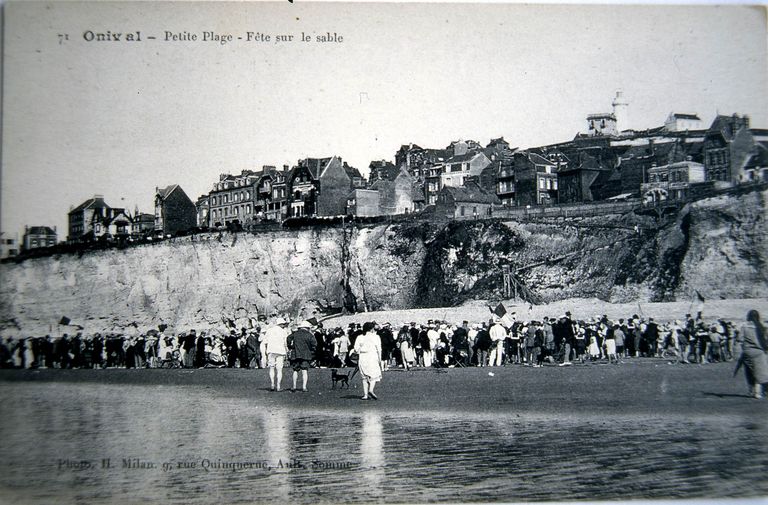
377, 252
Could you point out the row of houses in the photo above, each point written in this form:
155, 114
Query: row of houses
601, 164
463, 179
468, 179
313, 187
94, 219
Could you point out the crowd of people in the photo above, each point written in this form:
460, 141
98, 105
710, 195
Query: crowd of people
562, 341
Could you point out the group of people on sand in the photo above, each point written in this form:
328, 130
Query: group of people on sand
300, 345
374, 348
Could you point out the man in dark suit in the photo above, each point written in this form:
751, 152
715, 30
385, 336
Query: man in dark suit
303, 345
230, 344
190, 340
651, 336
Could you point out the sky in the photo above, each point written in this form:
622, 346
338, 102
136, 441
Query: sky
120, 118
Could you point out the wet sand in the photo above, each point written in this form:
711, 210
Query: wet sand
645, 386
642, 429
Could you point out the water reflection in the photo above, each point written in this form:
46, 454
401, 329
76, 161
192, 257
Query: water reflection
372, 452
361, 456
277, 450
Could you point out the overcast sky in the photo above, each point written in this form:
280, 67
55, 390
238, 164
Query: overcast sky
120, 118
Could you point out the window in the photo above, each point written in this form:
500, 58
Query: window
461, 210
542, 184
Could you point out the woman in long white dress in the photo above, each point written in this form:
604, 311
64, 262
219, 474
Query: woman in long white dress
368, 348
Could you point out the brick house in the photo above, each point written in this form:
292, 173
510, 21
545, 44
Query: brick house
582, 179
174, 211
535, 179
321, 187
231, 199
728, 146
271, 194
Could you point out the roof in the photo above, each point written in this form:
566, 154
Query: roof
315, 165
728, 125
40, 230
539, 160
166, 192
499, 140
648, 150
678, 164
471, 193
685, 116
461, 158
96, 202
602, 115
351, 171
760, 158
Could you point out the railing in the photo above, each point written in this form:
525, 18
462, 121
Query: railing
568, 210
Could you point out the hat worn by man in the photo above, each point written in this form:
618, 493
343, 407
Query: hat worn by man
280, 321
304, 324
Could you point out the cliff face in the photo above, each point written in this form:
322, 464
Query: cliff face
717, 246
204, 280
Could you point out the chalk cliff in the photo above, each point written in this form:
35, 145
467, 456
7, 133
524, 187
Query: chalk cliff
717, 246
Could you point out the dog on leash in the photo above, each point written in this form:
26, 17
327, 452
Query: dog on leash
337, 377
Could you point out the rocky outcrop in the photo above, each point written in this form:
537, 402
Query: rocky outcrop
716, 246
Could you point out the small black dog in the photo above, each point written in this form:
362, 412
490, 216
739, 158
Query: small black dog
339, 377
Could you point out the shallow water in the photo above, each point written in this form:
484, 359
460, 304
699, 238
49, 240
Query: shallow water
57, 437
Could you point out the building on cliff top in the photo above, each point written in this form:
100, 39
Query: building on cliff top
321, 187
143, 224
174, 211
9, 246
246, 199
467, 202
37, 237
92, 219
672, 182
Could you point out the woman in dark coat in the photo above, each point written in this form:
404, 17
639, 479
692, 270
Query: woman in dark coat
751, 340
200, 351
